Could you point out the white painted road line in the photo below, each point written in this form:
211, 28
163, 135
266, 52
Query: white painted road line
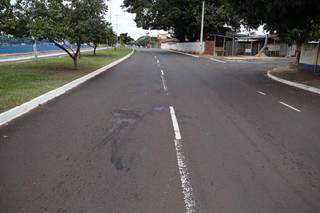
261, 93
183, 170
164, 84
291, 107
175, 124
158, 62
162, 73
217, 60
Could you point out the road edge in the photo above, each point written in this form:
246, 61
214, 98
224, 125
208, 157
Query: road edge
293, 84
24, 108
183, 53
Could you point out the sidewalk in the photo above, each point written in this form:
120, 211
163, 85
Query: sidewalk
251, 58
46, 54
299, 79
246, 59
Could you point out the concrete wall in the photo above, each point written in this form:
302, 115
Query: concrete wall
189, 47
308, 58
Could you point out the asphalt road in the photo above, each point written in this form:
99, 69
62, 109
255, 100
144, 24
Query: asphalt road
165, 132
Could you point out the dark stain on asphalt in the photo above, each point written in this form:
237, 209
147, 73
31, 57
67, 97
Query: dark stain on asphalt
116, 158
123, 122
159, 108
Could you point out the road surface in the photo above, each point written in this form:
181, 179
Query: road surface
165, 132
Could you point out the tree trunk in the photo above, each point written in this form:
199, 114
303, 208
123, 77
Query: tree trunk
95, 50
298, 52
264, 46
75, 62
73, 56
76, 55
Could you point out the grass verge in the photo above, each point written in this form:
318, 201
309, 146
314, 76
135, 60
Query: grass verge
23, 81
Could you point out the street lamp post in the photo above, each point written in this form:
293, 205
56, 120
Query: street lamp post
202, 25
117, 27
110, 14
147, 35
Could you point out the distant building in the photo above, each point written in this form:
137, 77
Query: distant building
310, 57
239, 44
165, 37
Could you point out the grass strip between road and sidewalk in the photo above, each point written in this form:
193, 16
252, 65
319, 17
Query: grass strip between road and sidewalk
23, 81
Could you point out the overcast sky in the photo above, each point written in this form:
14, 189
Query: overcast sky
123, 22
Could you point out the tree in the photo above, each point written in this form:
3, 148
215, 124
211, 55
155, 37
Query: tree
5, 11
183, 18
145, 40
292, 20
61, 21
12, 20
111, 36
97, 34
124, 38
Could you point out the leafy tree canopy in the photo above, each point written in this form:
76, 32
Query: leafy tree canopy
292, 19
5, 10
182, 17
145, 40
126, 39
111, 36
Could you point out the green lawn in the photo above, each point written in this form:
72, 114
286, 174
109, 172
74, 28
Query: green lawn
23, 81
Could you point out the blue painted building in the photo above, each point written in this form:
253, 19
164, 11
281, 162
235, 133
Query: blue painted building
310, 57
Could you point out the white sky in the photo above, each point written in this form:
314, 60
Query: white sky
123, 22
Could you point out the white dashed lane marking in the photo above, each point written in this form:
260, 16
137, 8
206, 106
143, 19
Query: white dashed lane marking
289, 106
261, 93
183, 170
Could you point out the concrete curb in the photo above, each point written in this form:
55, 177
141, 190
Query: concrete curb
294, 84
18, 111
183, 53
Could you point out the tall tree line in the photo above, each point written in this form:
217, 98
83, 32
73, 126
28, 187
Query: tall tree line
293, 20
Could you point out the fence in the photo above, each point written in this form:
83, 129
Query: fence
189, 47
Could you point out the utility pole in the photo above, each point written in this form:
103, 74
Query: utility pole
110, 14
202, 24
35, 51
117, 27
145, 42
317, 58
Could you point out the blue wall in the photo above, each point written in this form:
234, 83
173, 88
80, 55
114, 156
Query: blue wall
309, 67
18, 48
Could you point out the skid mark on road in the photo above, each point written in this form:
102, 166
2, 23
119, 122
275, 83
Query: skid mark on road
183, 170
